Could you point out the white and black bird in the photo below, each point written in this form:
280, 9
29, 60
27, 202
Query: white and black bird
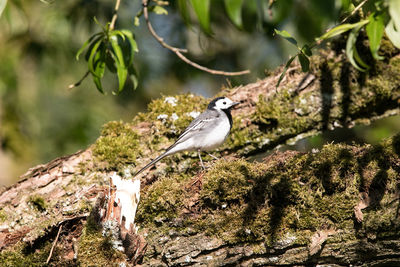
206, 132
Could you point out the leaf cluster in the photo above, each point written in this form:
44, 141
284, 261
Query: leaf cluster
377, 17
112, 50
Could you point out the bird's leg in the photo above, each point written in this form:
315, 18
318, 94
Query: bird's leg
201, 161
214, 157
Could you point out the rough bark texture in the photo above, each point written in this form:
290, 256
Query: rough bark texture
337, 206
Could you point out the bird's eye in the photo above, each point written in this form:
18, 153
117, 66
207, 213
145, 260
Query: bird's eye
224, 103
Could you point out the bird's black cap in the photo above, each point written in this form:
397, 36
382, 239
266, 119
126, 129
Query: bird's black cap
212, 103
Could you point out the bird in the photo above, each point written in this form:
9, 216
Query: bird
206, 132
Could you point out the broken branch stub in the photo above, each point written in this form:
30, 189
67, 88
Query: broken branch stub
116, 214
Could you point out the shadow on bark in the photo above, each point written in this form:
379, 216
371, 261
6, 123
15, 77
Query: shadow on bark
327, 91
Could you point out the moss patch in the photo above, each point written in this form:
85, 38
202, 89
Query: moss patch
38, 202
94, 249
288, 192
3, 215
162, 201
23, 255
117, 146
173, 114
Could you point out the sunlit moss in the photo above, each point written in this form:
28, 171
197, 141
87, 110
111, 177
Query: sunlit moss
22, 255
38, 202
172, 114
94, 249
3, 215
117, 146
163, 200
260, 202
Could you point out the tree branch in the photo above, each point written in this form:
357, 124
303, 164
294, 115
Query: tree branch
79, 82
179, 51
54, 244
114, 18
354, 11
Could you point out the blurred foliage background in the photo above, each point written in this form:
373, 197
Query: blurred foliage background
41, 119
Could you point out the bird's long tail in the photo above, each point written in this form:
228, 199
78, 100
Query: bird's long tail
154, 161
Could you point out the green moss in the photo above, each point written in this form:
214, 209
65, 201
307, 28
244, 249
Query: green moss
3, 215
38, 202
226, 183
117, 146
172, 114
162, 201
301, 193
22, 255
94, 249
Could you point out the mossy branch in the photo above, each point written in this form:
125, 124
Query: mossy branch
291, 208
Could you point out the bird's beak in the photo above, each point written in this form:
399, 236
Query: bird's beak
234, 104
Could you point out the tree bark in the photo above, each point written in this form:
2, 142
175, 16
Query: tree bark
338, 206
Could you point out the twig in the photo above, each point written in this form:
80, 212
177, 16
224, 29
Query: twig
54, 244
179, 51
78, 82
354, 11
114, 18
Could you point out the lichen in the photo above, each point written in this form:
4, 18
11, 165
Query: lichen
172, 117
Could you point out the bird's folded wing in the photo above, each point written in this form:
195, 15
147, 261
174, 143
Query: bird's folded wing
196, 126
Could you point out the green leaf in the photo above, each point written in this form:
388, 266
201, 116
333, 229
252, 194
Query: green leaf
93, 53
136, 21
286, 35
234, 10
393, 33
352, 53
341, 29
374, 30
99, 66
122, 71
304, 62
132, 44
117, 49
346, 4
306, 50
159, 10
285, 69
133, 76
110, 62
202, 10
117, 32
85, 44
184, 11
3, 4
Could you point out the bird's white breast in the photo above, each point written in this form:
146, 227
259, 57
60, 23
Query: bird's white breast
216, 136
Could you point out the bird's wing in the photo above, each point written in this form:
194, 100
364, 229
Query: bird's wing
203, 121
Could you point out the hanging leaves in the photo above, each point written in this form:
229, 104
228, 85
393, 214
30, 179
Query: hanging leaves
114, 50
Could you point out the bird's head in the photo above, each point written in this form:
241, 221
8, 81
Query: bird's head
222, 103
